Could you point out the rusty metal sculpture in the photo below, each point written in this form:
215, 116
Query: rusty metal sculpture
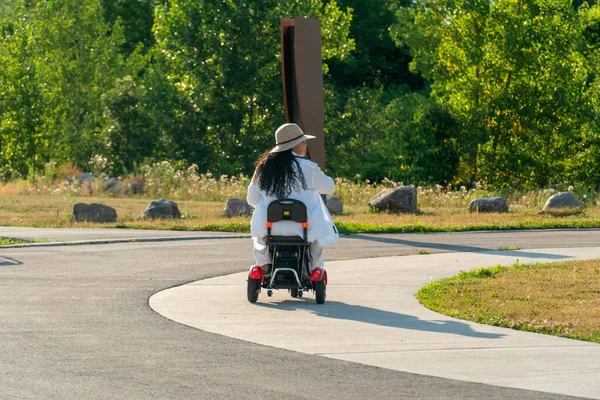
302, 73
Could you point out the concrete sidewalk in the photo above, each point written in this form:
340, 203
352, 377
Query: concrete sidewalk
372, 317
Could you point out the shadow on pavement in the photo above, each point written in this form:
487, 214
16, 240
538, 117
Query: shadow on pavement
340, 310
7, 261
456, 248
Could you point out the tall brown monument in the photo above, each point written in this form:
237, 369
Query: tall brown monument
302, 72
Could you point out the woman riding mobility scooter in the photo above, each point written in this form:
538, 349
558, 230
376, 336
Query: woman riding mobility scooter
290, 224
290, 255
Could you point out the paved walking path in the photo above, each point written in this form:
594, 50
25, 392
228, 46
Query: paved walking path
372, 317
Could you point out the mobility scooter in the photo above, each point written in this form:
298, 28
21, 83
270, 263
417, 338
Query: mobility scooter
290, 257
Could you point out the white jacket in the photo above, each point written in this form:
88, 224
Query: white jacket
320, 224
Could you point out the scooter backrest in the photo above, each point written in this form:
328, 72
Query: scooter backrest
287, 210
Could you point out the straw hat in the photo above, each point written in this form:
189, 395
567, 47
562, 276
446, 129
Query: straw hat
287, 136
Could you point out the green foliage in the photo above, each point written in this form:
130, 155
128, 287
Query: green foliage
428, 140
392, 135
222, 57
62, 57
129, 130
21, 139
424, 92
50, 171
359, 133
376, 60
514, 75
79, 59
7, 241
137, 19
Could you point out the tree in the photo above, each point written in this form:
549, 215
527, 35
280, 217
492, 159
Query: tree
130, 132
360, 89
392, 134
376, 60
427, 136
512, 73
78, 59
356, 135
22, 142
223, 57
62, 58
584, 166
137, 19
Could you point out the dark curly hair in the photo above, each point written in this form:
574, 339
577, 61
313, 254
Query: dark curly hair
279, 173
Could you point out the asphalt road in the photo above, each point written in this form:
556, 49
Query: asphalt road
75, 323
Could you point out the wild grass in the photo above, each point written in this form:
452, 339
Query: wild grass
561, 299
163, 179
56, 211
47, 200
159, 180
5, 241
509, 248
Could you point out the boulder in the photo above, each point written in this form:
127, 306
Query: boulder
396, 200
488, 205
162, 208
237, 208
562, 201
86, 177
334, 205
118, 188
94, 213
135, 187
110, 183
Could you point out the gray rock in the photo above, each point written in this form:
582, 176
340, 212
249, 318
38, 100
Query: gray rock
116, 188
334, 205
86, 177
561, 201
488, 205
162, 208
94, 213
236, 208
396, 200
135, 187
110, 183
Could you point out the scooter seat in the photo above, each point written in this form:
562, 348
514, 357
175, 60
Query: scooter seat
286, 241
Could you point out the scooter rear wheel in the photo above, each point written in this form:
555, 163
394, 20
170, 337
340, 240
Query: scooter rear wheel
253, 290
320, 291
294, 292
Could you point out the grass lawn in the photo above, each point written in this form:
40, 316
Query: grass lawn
55, 211
561, 299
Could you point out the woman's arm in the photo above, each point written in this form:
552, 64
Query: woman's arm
254, 196
322, 183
